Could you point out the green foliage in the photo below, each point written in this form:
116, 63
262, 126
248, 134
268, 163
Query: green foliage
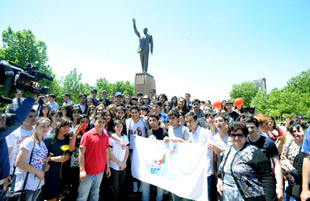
245, 90
300, 83
119, 86
260, 101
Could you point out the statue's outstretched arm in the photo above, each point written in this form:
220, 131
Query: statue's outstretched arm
135, 28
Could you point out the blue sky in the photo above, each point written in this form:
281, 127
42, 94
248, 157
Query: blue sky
201, 47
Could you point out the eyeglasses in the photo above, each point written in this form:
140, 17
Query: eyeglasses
167, 105
152, 92
241, 135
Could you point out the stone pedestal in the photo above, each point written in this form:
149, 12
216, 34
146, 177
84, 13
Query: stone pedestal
144, 82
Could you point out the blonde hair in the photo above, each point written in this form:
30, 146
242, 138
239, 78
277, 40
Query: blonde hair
34, 133
261, 118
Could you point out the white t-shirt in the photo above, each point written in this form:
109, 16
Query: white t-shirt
39, 153
117, 151
136, 129
202, 136
14, 140
180, 132
223, 143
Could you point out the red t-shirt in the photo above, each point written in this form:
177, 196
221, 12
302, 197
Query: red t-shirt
95, 154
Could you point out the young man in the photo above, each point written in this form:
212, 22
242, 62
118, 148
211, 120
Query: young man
93, 94
119, 99
17, 137
103, 97
135, 126
305, 193
93, 159
118, 159
67, 100
112, 97
157, 108
82, 104
203, 137
176, 131
16, 102
229, 106
140, 96
196, 108
188, 100
159, 134
52, 103
120, 114
270, 150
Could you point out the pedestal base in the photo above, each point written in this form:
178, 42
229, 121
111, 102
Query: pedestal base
144, 82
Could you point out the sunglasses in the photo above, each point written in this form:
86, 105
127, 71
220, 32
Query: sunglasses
241, 135
152, 92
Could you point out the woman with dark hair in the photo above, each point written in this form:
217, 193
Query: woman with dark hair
44, 110
54, 117
174, 101
166, 107
162, 98
127, 100
109, 122
112, 109
90, 110
66, 110
273, 130
74, 172
76, 112
290, 153
245, 173
90, 101
182, 105
55, 177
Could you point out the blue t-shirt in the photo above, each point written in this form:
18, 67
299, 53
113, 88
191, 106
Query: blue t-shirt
306, 145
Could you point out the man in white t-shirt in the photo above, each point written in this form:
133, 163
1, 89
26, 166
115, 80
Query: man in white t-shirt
202, 137
135, 126
17, 137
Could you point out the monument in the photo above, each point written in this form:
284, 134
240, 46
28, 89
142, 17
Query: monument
144, 82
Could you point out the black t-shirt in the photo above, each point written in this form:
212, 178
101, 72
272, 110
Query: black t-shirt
234, 115
267, 146
159, 133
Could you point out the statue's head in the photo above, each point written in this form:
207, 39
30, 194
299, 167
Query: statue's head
145, 30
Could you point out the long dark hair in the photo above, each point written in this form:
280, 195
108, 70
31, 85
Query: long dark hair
53, 113
79, 135
176, 102
185, 109
68, 108
75, 109
64, 121
43, 107
110, 124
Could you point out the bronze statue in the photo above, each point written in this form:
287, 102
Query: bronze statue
144, 41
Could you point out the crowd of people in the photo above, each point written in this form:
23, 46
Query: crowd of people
84, 151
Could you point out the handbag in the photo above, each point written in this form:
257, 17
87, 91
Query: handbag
9, 195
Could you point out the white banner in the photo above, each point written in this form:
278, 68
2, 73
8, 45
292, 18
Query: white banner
177, 167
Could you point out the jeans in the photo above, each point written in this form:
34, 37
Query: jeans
212, 188
90, 186
29, 195
117, 179
177, 198
1, 193
146, 192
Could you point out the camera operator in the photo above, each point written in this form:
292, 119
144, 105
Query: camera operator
22, 113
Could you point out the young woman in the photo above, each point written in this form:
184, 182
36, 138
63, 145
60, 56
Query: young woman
273, 130
55, 177
66, 110
162, 98
109, 122
44, 110
89, 101
76, 112
174, 101
127, 100
54, 117
75, 137
182, 105
166, 107
32, 147
112, 109
90, 110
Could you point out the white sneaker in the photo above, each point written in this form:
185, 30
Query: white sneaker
140, 188
135, 186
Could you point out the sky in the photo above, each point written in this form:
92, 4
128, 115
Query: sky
200, 47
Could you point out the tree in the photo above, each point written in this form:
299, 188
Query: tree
119, 86
259, 101
300, 83
245, 90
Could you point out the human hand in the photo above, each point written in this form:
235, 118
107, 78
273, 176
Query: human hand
77, 129
108, 172
83, 175
305, 195
219, 186
2, 120
166, 139
47, 167
35, 86
280, 194
40, 174
122, 166
122, 144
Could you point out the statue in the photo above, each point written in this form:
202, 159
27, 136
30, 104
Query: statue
144, 40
